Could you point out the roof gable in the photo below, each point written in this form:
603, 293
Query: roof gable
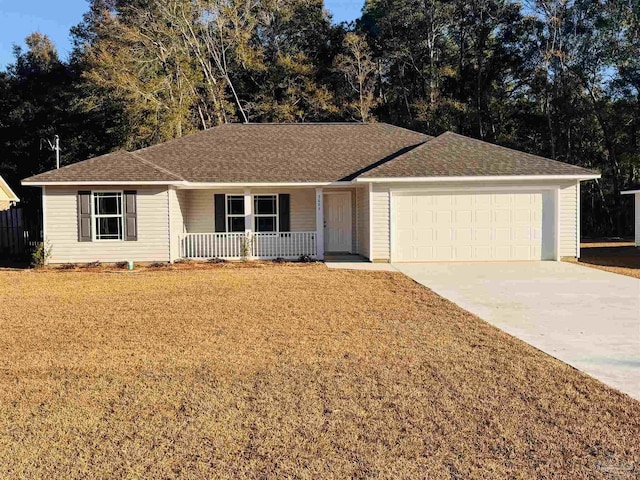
453, 155
8, 192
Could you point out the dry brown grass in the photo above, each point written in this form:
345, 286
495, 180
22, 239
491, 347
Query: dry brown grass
613, 256
287, 371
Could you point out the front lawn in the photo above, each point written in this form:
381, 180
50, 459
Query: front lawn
284, 371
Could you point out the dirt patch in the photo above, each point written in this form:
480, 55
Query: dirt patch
281, 371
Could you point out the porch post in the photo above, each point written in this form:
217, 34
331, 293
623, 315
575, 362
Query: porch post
248, 211
248, 218
320, 223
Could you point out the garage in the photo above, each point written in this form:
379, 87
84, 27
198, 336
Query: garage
473, 226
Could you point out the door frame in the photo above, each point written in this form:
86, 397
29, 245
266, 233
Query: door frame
553, 190
346, 193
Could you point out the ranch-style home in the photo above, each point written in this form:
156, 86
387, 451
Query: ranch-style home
269, 191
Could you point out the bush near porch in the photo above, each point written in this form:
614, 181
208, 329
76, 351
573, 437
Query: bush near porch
284, 371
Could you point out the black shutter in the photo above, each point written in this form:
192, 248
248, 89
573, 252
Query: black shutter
130, 215
220, 212
84, 216
284, 212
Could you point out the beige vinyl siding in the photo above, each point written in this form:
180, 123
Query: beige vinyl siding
61, 210
4, 204
568, 224
303, 210
362, 226
380, 223
177, 208
199, 217
568, 210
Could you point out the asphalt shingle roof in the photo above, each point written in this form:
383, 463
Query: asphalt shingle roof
286, 153
453, 155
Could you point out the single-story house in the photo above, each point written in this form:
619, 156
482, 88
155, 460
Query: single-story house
287, 190
7, 196
636, 194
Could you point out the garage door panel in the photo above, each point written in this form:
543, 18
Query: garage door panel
463, 235
467, 227
463, 216
502, 216
502, 234
482, 235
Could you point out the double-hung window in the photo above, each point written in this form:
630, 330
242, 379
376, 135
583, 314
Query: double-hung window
235, 213
107, 216
266, 213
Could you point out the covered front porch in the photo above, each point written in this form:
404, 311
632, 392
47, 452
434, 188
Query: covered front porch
260, 223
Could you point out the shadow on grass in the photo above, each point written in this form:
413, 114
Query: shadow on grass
611, 256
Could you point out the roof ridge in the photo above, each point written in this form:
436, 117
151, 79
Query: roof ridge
153, 165
429, 137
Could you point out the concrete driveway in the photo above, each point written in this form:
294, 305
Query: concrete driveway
585, 317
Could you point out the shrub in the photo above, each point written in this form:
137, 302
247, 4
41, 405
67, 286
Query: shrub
96, 264
122, 264
279, 260
40, 255
158, 265
182, 260
216, 260
306, 259
67, 266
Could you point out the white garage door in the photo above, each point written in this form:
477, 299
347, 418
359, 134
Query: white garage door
468, 227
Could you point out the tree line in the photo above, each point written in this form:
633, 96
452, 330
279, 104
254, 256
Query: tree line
558, 78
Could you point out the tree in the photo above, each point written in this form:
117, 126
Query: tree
359, 70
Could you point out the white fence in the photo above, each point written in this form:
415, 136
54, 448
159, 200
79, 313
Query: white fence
287, 245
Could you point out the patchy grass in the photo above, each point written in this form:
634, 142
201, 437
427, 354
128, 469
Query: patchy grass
613, 256
284, 371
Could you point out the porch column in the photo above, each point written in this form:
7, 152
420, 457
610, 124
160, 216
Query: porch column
248, 212
320, 223
248, 221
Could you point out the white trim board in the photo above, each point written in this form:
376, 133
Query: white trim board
195, 185
504, 178
97, 184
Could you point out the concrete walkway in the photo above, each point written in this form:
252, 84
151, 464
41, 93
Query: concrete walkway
585, 317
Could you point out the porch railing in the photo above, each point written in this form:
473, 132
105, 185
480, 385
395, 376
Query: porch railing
231, 246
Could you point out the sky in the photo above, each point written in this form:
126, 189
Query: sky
19, 18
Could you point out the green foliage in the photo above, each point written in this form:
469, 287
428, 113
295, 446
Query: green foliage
556, 78
41, 255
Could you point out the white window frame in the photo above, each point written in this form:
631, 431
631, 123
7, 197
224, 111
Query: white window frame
256, 215
228, 215
95, 216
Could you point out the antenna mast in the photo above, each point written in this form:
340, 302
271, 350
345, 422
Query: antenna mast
54, 147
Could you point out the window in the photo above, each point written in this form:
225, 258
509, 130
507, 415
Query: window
235, 213
266, 213
107, 216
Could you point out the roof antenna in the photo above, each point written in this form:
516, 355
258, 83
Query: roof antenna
54, 147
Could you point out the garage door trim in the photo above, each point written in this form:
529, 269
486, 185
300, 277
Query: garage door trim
395, 192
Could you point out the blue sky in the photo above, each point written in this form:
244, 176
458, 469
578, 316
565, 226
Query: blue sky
18, 18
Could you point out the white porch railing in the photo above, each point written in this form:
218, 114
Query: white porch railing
231, 246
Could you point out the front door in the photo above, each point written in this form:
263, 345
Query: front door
337, 222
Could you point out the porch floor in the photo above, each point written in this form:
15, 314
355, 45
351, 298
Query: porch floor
347, 261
